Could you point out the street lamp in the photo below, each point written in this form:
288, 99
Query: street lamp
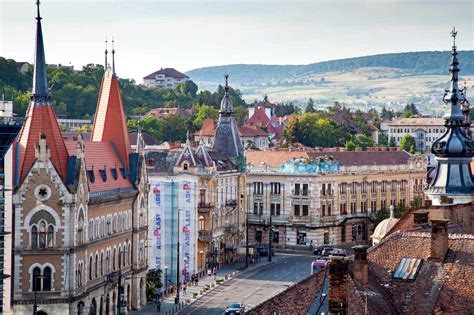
121, 293
35, 288
166, 279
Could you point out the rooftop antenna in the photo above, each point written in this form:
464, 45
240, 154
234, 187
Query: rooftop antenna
106, 52
113, 56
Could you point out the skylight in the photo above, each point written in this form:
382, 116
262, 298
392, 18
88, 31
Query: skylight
407, 269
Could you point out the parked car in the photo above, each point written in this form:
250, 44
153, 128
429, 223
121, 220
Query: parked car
319, 250
235, 308
262, 251
338, 252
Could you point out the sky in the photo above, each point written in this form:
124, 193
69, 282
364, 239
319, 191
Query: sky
191, 34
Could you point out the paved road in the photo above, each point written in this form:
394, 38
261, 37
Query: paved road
254, 287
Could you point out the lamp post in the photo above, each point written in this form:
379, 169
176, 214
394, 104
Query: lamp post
35, 288
166, 279
120, 307
176, 299
247, 229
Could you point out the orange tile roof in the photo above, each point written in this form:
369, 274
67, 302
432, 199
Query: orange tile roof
100, 155
109, 122
208, 128
273, 158
251, 131
41, 118
259, 117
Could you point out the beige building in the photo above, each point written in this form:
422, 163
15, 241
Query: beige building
326, 197
80, 209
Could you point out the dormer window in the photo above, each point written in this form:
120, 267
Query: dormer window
123, 171
103, 174
90, 174
185, 166
114, 173
407, 268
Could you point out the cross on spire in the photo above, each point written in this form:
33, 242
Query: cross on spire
454, 33
113, 56
106, 52
226, 86
38, 17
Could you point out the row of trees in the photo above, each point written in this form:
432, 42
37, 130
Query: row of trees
75, 93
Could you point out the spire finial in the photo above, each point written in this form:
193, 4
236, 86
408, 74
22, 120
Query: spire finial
226, 86
454, 33
106, 52
38, 16
187, 137
113, 56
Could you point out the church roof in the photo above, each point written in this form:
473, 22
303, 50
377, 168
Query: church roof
109, 122
41, 118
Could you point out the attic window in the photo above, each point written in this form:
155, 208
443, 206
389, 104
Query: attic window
91, 175
103, 174
114, 173
185, 166
123, 172
407, 268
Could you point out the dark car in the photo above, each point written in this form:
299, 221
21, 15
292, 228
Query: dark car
235, 308
320, 250
262, 251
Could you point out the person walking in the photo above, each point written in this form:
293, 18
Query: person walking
184, 287
158, 304
196, 280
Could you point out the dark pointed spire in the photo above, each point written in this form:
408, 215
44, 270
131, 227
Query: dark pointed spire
452, 182
40, 81
227, 107
113, 56
106, 53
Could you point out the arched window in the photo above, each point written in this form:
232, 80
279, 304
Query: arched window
80, 228
50, 235
113, 261
47, 279
96, 265
90, 268
108, 261
124, 254
42, 234
201, 223
34, 237
102, 263
36, 280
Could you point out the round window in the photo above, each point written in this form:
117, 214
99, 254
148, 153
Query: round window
42, 192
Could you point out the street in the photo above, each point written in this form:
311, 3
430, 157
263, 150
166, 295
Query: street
255, 286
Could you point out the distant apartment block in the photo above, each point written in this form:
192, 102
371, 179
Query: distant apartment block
72, 124
167, 77
424, 130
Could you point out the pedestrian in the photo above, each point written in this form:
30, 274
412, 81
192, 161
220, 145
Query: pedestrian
197, 280
209, 272
158, 305
184, 287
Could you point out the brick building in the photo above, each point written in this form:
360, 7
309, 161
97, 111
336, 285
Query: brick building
80, 208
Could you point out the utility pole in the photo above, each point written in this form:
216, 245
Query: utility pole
176, 299
247, 228
270, 235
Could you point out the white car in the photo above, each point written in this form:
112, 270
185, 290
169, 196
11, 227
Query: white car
235, 308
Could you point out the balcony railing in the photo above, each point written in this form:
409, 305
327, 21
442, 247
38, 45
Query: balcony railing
205, 236
231, 229
232, 202
204, 207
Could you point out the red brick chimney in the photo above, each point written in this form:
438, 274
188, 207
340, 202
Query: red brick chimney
420, 218
338, 283
361, 268
439, 239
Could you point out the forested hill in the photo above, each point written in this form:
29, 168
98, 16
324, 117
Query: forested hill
411, 63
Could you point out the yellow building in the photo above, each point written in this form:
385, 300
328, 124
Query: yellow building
318, 197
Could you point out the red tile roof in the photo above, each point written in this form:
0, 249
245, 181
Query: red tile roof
251, 131
168, 72
259, 118
109, 122
209, 126
41, 118
99, 156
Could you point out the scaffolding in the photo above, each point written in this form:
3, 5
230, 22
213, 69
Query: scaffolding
9, 128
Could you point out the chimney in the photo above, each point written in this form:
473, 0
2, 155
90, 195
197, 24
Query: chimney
361, 268
439, 239
338, 283
420, 218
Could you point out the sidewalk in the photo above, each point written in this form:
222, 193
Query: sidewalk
206, 284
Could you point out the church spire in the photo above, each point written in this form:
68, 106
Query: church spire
40, 82
227, 139
453, 182
41, 122
113, 56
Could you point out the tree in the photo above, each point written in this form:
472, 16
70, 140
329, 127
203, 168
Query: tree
310, 106
361, 141
283, 109
189, 87
314, 130
383, 138
204, 112
407, 143
392, 143
350, 145
153, 282
410, 110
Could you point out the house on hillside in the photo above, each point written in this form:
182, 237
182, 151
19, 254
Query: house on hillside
162, 113
167, 77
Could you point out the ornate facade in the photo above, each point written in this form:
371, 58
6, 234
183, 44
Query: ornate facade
80, 209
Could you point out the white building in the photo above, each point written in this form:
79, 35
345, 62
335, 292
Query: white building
424, 130
167, 77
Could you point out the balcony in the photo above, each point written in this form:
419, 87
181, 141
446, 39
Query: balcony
231, 229
232, 202
300, 219
205, 236
204, 207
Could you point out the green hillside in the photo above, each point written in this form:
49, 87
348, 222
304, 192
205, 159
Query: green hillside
410, 63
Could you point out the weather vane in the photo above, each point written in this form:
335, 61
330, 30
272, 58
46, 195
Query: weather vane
454, 33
